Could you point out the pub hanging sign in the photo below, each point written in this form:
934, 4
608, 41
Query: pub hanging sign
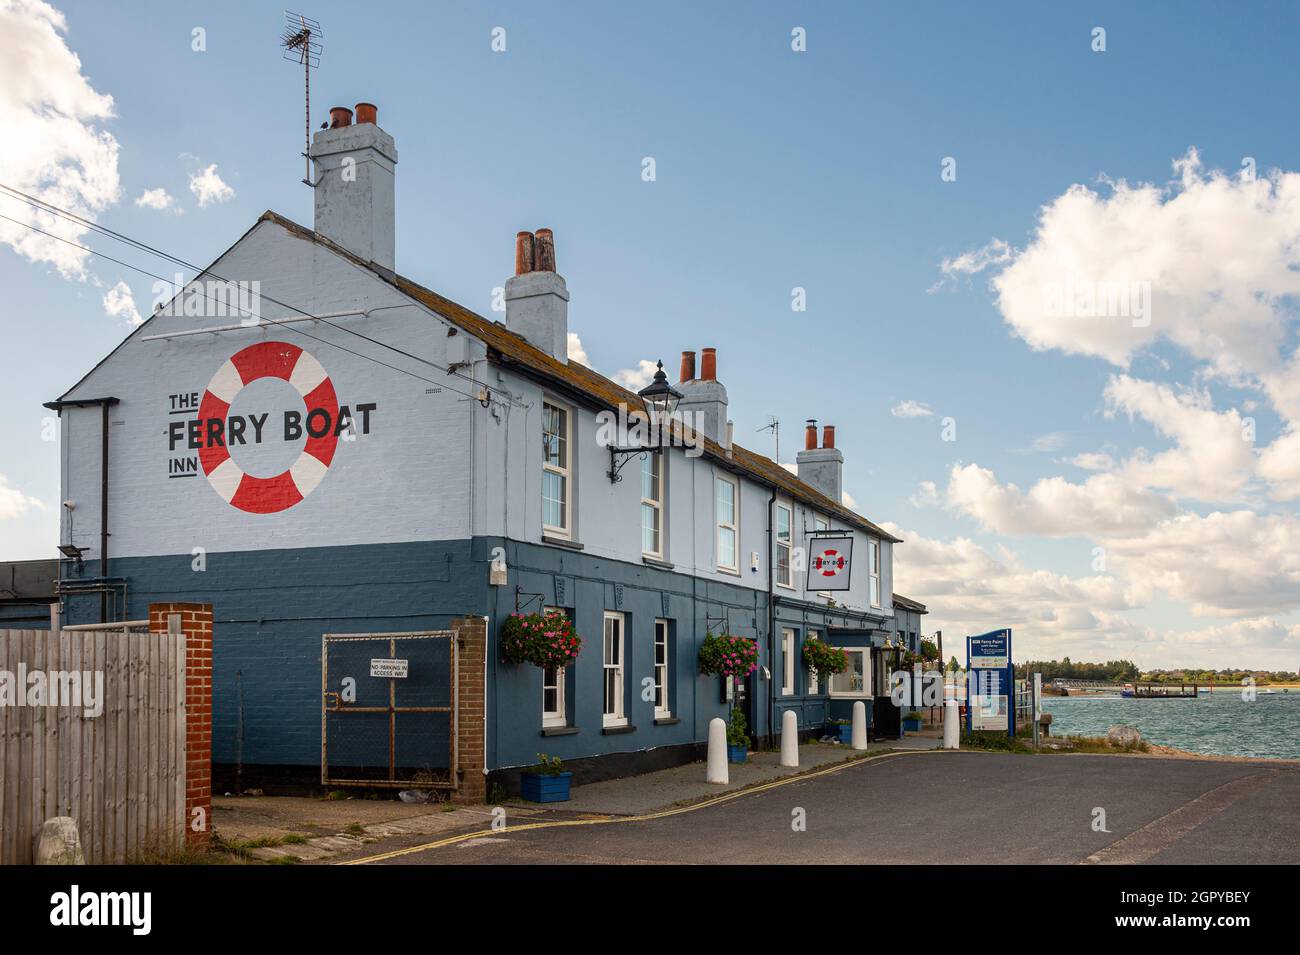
830, 559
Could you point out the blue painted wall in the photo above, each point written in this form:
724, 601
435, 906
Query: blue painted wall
271, 608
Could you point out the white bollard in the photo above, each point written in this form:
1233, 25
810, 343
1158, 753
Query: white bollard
716, 771
859, 725
789, 739
951, 727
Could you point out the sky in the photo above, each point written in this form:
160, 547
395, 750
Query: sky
1048, 256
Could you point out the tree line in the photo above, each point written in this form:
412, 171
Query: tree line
1126, 671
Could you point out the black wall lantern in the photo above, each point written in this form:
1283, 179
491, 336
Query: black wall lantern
661, 402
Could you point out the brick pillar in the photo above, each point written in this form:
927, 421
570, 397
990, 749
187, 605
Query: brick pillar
471, 637
195, 621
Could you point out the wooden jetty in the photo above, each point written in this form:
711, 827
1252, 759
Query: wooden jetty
1161, 691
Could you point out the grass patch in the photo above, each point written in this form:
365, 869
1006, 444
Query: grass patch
213, 854
996, 742
355, 829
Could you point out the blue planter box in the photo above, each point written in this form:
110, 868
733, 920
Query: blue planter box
737, 754
845, 731
912, 726
543, 787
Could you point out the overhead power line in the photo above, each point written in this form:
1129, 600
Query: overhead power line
60, 212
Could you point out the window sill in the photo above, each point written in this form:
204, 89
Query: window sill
561, 542
559, 730
666, 721
618, 730
729, 572
656, 562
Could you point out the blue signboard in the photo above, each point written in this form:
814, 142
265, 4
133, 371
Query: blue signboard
990, 683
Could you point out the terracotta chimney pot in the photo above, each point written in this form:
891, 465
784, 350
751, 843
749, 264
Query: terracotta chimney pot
688, 366
544, 251
523, 252
709, 365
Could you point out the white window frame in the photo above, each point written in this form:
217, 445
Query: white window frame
559, 716
821, 524
788, 546
616, 671
873, 570
564, 469
865, 693
657, 462
663, 708
787, 661
814, 678
733, 526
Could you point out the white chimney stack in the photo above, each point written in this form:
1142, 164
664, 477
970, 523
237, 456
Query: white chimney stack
704, 397
822, 467
537, 300
355, 201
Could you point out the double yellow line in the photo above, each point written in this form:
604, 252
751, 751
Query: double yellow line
662, 814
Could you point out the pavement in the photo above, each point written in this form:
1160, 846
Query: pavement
922, 807
680, 784
305, 829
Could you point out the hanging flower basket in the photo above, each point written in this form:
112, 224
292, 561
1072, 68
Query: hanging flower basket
544, 640
823, 659
724, 655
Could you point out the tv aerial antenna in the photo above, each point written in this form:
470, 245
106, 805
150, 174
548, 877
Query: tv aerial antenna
301, 41
774, 425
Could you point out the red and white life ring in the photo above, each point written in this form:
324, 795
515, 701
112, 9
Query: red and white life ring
262, 495
830, 563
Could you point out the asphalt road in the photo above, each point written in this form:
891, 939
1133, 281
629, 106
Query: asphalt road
950, 808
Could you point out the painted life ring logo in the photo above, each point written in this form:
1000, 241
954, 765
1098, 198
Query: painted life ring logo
830, 563
232, 446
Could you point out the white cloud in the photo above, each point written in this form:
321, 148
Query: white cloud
1052, 441
1093, 461
970, 590
14, 502
1224, 564
208, 187
1212, 460
1219, 255
1054, 507
575, 350
911, 409
634, 379
1279, 464
120, 303
159, 199
995, 252
53, 149
848, 500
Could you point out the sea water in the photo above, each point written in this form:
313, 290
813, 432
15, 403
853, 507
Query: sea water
1220, 724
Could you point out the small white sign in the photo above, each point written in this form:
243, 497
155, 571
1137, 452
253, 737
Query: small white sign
988, 663
388, 669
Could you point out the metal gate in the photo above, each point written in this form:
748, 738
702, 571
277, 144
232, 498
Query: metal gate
388, 709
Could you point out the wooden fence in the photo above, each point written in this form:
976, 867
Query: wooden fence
121, 772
